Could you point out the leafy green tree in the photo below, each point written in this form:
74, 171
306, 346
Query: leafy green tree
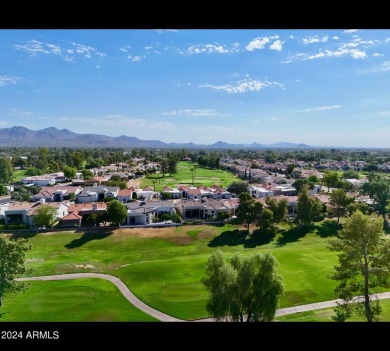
363, 266
278, 208
87, 174
246, 289
248, 210
238, 188
70, 172
340, 200
116, 211
22, 194
165, 195
301, 182
6, 171
45, 215
121, 184
313, 179
378, 188
330, 179
354, 206
77, 159
3, 190
33, 171
350, 174
305, 203
174, 217
12, 264
266, 219
193, 173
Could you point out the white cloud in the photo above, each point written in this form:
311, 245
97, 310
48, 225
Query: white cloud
3, 124
35, 47
342, 51
377, 54
160, 31
212, 48
291, 37
148, 47
258, 43
336, 37
242, 86
135, 58
277, 45
350, 30
193, 113
55, 49
315, 39
8, 80
126, 48
320, 108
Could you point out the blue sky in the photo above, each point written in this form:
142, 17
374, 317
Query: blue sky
319, 87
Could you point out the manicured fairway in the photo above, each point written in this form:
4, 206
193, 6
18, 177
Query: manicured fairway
19, 174
164, 266
81, 300
203, 176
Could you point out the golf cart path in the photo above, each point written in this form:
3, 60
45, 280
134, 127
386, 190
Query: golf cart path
166, 318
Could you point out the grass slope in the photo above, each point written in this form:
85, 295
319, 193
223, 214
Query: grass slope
164, 266
81, 300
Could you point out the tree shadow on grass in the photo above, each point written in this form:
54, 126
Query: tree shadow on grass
86, 237
260, 237
229, 238
241, 237
328, 228
293, 234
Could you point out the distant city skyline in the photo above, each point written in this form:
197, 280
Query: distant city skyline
318, 87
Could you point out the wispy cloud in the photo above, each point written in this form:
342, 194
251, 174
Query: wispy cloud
160, 31
8, 80
243, 86
355, 48
320, 108
277, 45
384, 113
383, 67
118, 122
14, 112
315, 39
350, 30
135, 58
193, 113
336, 37
377, 54
36, 47
212, 49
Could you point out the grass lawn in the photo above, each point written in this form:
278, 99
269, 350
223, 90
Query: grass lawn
164, 266
81, 300
203, 176
19, 174
325, 315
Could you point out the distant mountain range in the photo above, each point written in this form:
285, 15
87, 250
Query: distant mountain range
53, 137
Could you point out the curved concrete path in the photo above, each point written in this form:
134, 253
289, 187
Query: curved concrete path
166, 318
119, 284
